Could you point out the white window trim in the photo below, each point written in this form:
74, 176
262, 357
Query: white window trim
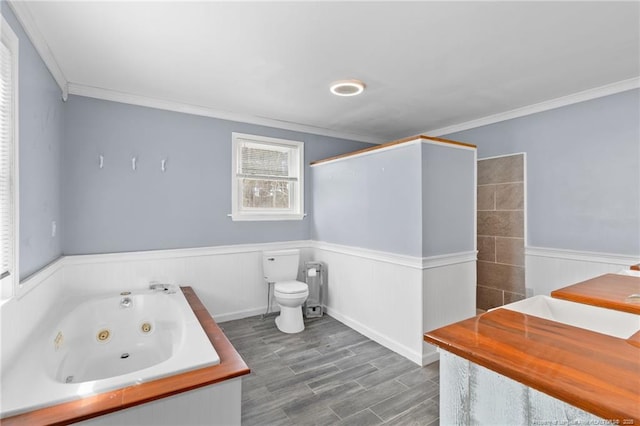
11, 287
265, 214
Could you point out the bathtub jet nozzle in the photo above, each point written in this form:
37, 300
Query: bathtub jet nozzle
126, 302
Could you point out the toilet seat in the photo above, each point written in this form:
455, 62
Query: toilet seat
291, 287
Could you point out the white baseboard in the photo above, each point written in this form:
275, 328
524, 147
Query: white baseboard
423, 360
377, 337
231, 316
430, 357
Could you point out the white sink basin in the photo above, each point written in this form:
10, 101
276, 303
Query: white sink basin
606, 321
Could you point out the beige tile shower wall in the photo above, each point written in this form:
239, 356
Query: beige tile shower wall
500, 231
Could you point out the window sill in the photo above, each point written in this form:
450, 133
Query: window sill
264, 217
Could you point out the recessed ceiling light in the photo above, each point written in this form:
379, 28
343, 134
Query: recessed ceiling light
347, 87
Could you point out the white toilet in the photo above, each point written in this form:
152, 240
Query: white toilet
281, 269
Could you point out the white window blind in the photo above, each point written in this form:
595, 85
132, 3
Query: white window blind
264, 162
8, 65
267, 177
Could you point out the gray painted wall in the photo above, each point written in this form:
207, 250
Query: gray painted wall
370, 201
115, 209
416, 200
448, 194
41, 113
583, 172
583, 176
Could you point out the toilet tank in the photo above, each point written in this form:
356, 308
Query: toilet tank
281, 265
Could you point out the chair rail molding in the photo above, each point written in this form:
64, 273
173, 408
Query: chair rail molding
583, 256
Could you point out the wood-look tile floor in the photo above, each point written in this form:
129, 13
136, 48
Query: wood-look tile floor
329, 375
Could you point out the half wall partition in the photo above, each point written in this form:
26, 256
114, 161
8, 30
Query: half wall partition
396, 225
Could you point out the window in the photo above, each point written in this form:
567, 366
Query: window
8, 159
267, 181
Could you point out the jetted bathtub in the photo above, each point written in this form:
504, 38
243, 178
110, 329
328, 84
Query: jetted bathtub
107, 343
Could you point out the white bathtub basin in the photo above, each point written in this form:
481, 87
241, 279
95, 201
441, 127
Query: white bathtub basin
103, 344
606, 321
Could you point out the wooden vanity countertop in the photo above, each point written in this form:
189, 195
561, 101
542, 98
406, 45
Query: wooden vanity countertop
607, 291
231, 365
592, 371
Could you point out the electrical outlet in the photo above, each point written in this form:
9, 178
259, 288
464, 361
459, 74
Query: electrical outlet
54, 228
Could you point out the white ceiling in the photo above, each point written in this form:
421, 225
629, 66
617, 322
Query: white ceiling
427, 65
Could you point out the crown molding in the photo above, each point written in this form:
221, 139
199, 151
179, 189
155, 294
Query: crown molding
585, 95
23, 14
133, 99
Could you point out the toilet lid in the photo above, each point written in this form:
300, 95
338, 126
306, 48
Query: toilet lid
291, 287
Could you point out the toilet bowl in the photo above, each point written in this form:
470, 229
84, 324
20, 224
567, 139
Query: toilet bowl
290, 295
281, 269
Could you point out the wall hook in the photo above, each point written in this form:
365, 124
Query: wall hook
163, 165
101, 161
134, 161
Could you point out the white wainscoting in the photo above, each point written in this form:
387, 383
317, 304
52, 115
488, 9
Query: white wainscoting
390, 298
449, 295
394, 299
20, 315
227, 279
548, 269
380, 299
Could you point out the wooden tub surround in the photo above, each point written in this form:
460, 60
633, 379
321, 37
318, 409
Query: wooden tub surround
231, 366
595, 372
